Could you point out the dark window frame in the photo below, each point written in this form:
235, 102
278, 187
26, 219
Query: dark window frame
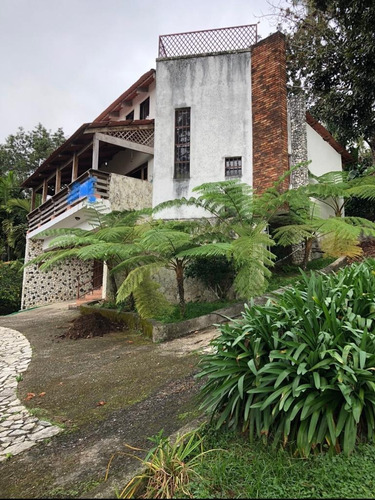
182, 130
233, 166
144, 109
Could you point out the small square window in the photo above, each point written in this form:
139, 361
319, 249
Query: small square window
233, 166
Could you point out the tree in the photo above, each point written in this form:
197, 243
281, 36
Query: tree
165, 245
110, 239
235, 232
338, 234
331, 57
23, 152
13, 223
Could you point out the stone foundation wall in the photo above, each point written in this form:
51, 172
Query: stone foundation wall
194, 289
55, 285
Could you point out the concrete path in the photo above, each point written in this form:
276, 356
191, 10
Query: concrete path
19, 430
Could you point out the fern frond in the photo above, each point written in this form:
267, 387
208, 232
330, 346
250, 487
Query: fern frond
71, 240
293, 234
164, 241
209, 250
336, 246
365, 192
149, 301
135, 278
104, 251
60, 256
140, 259
116, 233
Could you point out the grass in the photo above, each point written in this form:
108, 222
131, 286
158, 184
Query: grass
193, 310
287, 274
257, 471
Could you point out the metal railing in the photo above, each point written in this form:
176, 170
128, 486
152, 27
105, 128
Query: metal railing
61, 202
208, 41
93, 286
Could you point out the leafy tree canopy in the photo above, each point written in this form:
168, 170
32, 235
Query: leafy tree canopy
331, 56
23, 152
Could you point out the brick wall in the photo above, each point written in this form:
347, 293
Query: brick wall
269, 107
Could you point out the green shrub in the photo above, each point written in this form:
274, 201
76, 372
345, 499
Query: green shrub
301, 368
10, 286
216, 273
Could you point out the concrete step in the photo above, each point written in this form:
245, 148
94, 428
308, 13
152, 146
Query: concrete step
88, 297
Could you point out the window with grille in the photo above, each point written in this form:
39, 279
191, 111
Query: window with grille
182, 144
233, 166
144, 109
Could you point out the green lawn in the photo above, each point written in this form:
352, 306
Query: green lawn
258, 471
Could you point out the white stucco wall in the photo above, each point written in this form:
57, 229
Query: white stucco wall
322, 155
323, 159
217, 88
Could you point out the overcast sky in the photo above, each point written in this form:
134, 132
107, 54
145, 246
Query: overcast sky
64, 61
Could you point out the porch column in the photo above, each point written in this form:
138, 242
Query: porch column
33, 198
58, 181
95, 153
75, 167
45, 190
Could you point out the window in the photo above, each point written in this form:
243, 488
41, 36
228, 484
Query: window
182, 144
130, 116
144, 109
233, 166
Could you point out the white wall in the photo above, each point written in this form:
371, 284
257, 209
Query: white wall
217, 88
323, 159
322, 155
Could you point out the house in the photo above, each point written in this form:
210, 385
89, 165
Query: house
215, 108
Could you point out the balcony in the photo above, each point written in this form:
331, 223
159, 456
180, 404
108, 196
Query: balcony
93, 184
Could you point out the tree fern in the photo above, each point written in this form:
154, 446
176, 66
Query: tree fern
149, 301
136, 277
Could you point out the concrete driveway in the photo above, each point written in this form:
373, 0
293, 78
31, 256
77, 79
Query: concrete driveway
104, 392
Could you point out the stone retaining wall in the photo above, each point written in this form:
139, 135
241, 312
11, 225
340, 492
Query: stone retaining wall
57, 284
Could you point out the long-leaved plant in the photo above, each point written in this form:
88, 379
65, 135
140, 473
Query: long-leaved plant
300, 369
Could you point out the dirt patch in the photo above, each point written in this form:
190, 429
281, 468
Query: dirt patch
91, 325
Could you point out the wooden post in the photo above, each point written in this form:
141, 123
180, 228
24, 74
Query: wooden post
75, 167
45, 190
95, 153
33, 197
58, 181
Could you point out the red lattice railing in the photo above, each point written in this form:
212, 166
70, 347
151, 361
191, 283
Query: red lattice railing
202, 42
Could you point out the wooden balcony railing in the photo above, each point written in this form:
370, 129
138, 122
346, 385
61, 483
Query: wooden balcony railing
70, 196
